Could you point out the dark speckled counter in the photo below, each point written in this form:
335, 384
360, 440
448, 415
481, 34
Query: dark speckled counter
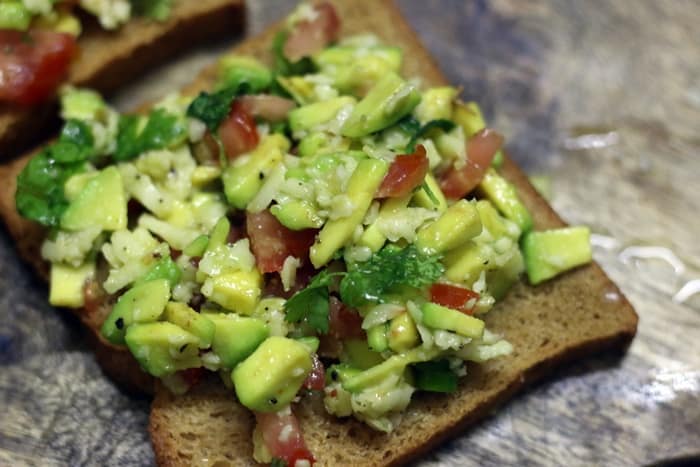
603, 98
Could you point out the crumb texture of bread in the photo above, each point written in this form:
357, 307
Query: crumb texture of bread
108, 60
576, 314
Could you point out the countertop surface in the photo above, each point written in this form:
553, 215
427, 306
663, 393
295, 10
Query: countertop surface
600, 100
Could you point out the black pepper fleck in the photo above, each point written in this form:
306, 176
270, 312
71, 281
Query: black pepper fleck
273, 401
119, 323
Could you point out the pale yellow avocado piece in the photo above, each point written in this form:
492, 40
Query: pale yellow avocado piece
236, 291
440, 317
67, 284
270, 378
361, 188
456, 226
403, 334
464, 264
372, 237
102, 203
423, 200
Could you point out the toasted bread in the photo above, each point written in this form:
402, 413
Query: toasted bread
108, 60
568, 317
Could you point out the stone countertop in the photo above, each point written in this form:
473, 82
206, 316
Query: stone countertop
602, 100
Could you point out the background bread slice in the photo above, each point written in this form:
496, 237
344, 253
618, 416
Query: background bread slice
558, 321
110, 59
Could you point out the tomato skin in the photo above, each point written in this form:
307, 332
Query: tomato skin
192, 376
308, 37
33, 64
290, 447
272, 242
405, 174
316, 380
238, 132
481, 148
344, 322
270, 107
452, 296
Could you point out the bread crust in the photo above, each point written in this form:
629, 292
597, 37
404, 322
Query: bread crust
110, 59
207, 423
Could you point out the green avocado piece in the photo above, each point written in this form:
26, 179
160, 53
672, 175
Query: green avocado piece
377, 338
102, 203
236, 337
440, 317
492, 220
499, 281
336, 233
195, 323
163, 348
503, 195
386, 103
321, 142
311, 342
239, 70
164, 268
14, 15
403, 334
219, 234
67, 284
436, 104
341, 372
310, 116
456, 226
270, 378
356, 353
354, 70
297, 215
140, 304
464, 264
551, 252
82, 104
197, 247
394, 365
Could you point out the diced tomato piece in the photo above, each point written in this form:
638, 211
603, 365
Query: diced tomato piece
192, 376
33, 64
317, 378
452, 296
481, 148
344, 322
272, 243
267, 106
238, 132
283, 437
310, 36
404, 175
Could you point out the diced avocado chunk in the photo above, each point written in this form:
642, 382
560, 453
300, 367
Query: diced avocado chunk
493, 222
236, 291
551, 252
356, 353
464, 264
164, 268
67, 284
243, 181
372, 237
435, 199
377, 338
336, 233
204, 174
195, 323
500, 280
90, 209
440, 317
311, 342
354, 70
386, 103
14, 15
162, 348
240, 70
140, 304
81, 104
197, 247
270, 378
436, 104
403, 334
219, 234
341, 372
236, 337
321, 142
503, 195
394, 365
456, 226
75, 184
310, 116
297, 215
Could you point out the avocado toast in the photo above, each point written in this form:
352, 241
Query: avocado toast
107, 59
214, 421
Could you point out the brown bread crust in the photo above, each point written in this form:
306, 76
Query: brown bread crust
577, 314
110, 59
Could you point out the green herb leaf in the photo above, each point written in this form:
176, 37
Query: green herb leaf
156, 9
160, 130
213, 108
277, 462
368, 281
312, 303
434, 376
443, 125
282, 65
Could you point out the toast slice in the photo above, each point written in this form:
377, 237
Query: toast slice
110, 59
568, 317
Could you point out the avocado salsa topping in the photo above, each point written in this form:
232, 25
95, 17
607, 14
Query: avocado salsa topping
321, 225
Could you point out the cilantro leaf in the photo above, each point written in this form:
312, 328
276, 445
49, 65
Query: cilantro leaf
213, 108
312, 303
435, 376
156, 9
39, 195
368, 281
440, 124
161, 130
282, 64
